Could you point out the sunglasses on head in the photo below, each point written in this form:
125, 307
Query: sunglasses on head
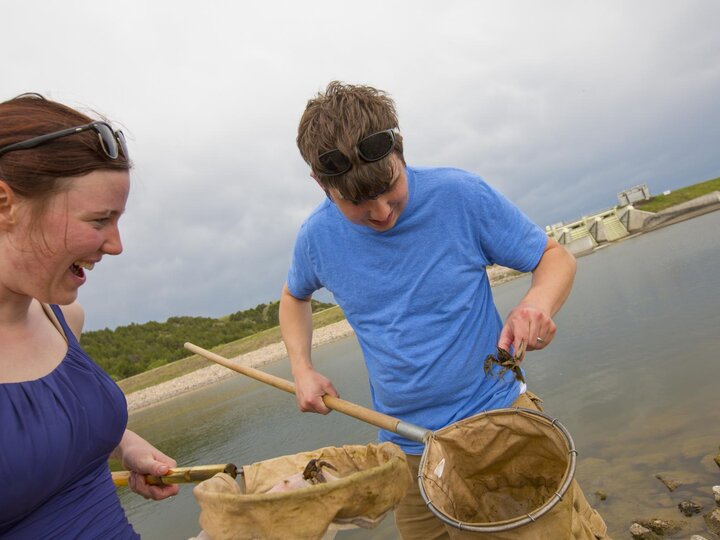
112, 142
372, 148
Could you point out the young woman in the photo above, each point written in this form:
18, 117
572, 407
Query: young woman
64, 183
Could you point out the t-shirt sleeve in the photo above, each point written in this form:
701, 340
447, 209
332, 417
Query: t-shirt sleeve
507, 236
302, 279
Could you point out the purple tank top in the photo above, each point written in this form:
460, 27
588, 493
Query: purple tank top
56, 434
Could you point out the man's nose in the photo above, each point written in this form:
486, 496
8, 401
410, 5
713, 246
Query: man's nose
380, 209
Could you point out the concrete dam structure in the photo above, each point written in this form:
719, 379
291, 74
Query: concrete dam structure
586, 234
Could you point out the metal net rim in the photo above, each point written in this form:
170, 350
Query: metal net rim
530, 517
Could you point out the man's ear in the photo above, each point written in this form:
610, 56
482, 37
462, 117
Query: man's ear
7, 205
326, 190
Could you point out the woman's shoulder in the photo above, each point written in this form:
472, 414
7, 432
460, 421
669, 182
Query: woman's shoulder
74, 317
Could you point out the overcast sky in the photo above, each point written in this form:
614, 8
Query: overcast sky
558, 104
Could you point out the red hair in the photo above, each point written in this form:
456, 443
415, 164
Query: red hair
34, 173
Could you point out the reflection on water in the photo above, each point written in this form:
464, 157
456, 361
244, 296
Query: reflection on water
632, 374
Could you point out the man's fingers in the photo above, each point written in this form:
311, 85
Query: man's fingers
319, 406
330, 389
506, 338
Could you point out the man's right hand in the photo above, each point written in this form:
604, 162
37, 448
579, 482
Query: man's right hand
310, 387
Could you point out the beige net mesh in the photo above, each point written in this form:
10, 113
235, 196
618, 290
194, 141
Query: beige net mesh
497, 473
372, 479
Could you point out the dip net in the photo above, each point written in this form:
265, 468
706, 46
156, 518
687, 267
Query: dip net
506, 474
366, 482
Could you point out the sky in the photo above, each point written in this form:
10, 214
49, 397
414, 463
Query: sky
558, 104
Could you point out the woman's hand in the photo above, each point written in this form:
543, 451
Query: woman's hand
141, 458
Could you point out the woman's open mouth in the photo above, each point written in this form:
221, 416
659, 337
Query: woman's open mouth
77, 268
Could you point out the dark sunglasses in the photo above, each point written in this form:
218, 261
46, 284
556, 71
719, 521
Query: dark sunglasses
112, 142
372, 148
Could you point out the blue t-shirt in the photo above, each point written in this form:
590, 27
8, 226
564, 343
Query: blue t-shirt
56, 434
418, 296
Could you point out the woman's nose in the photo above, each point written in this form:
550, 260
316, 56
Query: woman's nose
113, 244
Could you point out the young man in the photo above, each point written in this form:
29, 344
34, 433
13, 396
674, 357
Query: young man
404, 252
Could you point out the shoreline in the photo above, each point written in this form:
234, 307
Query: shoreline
153, 395
165, 391
497, 275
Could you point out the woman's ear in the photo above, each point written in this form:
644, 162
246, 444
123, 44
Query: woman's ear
7, 205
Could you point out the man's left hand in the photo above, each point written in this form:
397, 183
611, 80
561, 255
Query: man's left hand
529, 323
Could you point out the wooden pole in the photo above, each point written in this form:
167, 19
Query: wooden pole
179, 475
374, 418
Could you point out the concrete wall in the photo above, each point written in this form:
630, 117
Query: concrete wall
581, 246
707, 203
634, 194
597, 230
633, 219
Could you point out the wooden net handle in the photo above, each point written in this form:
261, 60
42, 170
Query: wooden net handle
179, 475
374, 418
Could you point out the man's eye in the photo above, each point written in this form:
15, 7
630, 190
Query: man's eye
358, 202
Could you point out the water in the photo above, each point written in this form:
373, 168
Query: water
632, 374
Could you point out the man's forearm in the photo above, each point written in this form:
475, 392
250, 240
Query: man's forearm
552, 279
296, 329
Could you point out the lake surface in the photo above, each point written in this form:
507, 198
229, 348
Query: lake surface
633, 374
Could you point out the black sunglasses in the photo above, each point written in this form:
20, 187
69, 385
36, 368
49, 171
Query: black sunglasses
112, 142
372, 148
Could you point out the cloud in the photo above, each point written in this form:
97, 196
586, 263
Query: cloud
558, 104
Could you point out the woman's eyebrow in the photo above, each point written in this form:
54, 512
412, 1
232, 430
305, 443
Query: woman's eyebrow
105, 213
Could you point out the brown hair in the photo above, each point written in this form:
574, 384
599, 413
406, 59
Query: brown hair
34, 173
339, 118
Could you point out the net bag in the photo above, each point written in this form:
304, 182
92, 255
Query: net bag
372, 479
507, 472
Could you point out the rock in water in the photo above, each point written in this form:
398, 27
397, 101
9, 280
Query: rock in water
690, 508
663, 527
639, 532
712, 520
672, 485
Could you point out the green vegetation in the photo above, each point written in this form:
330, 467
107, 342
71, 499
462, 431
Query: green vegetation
133, 349
660, 202
228, 350
142, 355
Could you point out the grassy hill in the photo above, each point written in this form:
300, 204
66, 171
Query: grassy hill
139, 356
660, 202
136, 348
241, 346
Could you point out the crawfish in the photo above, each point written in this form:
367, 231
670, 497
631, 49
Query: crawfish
507, 362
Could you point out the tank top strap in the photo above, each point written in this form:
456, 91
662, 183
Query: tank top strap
60, 318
